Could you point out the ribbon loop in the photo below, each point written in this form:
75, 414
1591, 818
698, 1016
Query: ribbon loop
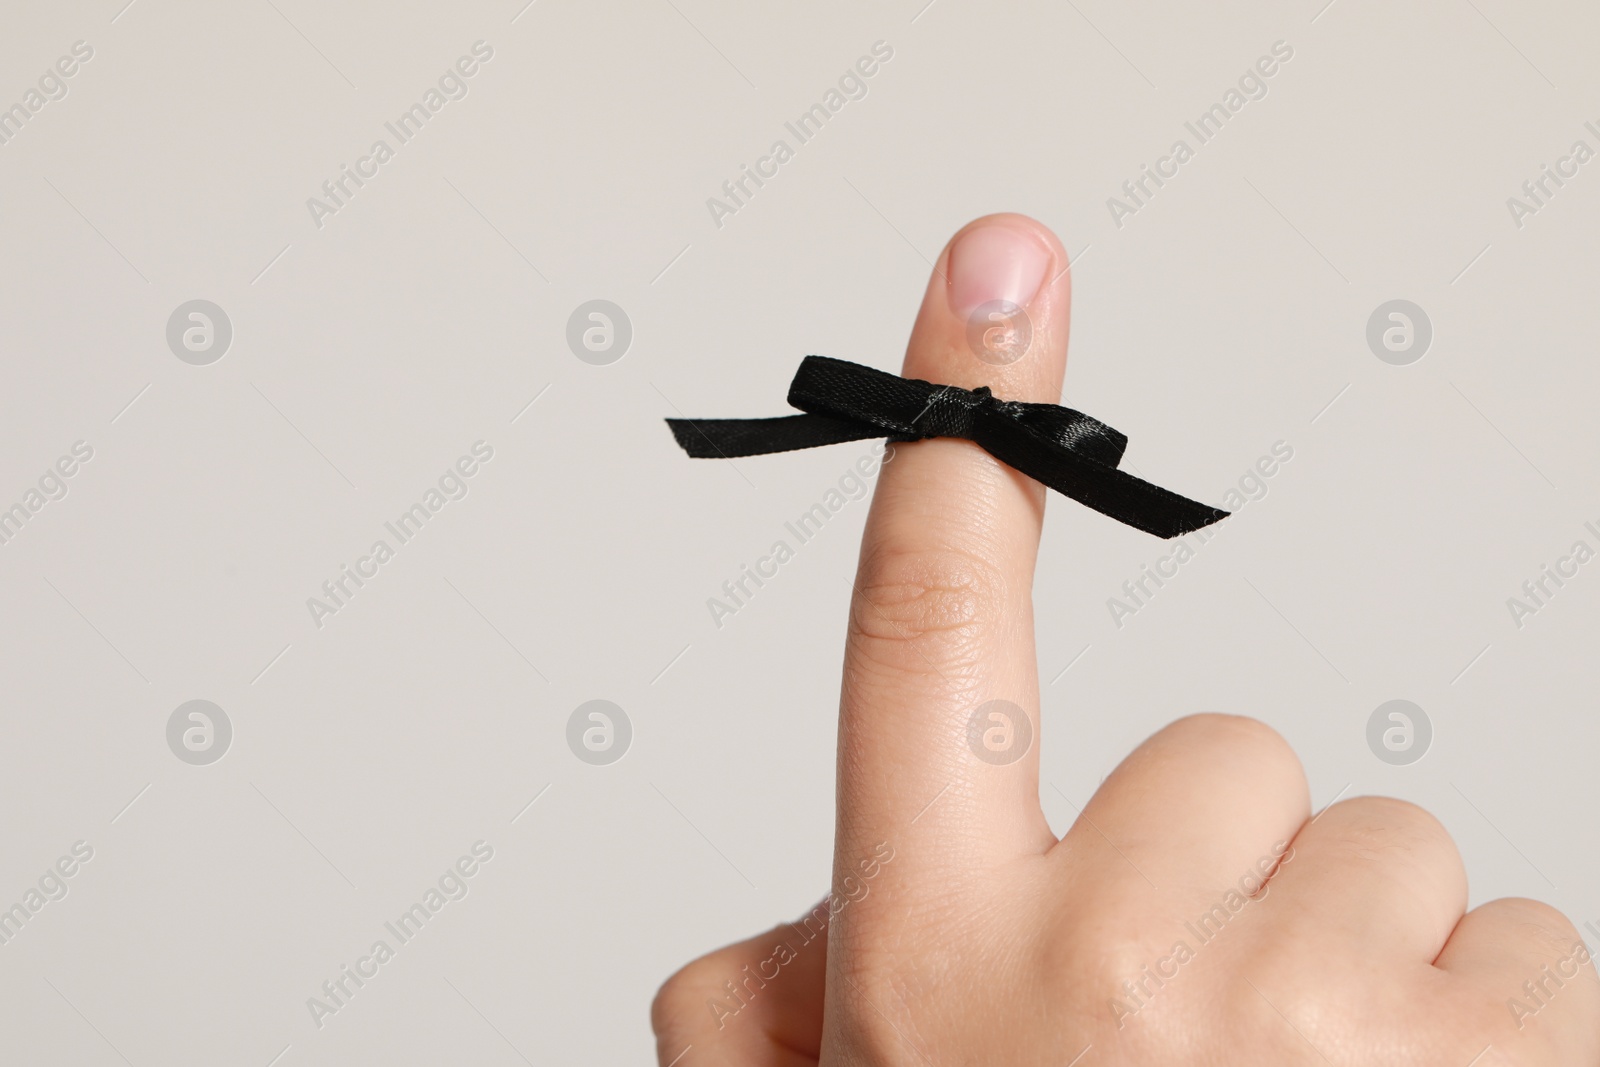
1070, 452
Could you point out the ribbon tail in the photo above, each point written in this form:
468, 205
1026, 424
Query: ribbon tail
731, 438
1112, 492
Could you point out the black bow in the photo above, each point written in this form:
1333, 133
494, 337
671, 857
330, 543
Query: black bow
1066, 450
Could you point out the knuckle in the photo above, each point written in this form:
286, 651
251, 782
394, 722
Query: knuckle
1212, 730
913, 608
1386, 817
682, 995
1236, 742
1538, 923
1381, 828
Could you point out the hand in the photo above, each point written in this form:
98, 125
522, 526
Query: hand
1195, 914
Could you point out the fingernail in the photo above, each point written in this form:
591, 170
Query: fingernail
995, 263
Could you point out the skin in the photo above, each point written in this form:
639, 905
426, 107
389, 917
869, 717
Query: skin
1338, 939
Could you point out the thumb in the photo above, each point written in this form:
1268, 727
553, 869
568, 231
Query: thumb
757, 1003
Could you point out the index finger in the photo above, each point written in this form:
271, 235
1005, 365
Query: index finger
938, 723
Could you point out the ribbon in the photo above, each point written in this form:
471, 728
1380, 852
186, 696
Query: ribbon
1066, 450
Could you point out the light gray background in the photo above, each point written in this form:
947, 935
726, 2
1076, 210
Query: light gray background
369, 354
